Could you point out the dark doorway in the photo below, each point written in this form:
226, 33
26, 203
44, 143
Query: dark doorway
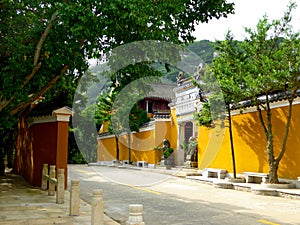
150, 107
188, 131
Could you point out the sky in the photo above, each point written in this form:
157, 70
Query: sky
247, 14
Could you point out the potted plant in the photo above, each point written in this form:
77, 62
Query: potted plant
166, 153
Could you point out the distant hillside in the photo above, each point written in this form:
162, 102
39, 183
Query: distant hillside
203, 49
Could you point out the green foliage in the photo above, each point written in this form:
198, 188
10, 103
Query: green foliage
104, 111
45, 45
87, 136
204, 49
168, 152
137, 117
267, 62
165, 152
204, 118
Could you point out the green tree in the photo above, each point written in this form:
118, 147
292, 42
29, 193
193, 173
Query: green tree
105, 110
216, 99
45, 46
103, 113
204, 49
42, 42
265, 63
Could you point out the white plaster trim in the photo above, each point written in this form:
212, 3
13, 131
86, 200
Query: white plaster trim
41, 119
185, 118
105, 137
63, 111
124, 133
60, 115
152, 127
160, 120
63, 118
48, 119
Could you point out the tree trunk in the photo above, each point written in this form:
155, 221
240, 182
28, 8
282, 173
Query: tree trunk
117, 148
129, 153
231, 141
273, 165
273, 177
267, 126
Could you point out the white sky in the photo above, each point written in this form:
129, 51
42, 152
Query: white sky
247, 14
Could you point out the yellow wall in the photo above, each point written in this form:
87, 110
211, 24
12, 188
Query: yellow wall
250, 144
174, 129
106, 149
142, 147
142, 144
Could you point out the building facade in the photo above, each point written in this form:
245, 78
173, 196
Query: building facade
214, 149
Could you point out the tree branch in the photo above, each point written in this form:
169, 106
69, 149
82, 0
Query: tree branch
261, 117
35, 97
42, 39
5, 103
287, 126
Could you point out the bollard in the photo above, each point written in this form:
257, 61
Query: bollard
97, 208
44, 179
60, 191
51, 189
135, 215
74, 198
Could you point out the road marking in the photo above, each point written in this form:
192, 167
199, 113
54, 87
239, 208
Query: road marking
267, 222
143, 189
85, 172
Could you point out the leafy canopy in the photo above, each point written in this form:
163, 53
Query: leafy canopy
45, 45
259, 69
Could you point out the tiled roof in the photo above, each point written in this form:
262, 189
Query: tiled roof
162, 91
274, 97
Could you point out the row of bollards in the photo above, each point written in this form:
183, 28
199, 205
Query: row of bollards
97, 214
50, 182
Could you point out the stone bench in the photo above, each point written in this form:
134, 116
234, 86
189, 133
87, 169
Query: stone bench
142, 164
252, 177
214, 173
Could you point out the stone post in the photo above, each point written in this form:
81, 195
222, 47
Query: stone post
74, 198
135, 215
97, 208
51, 188
60, 192
44, 179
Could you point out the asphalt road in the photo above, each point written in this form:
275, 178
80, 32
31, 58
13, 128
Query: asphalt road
174, 201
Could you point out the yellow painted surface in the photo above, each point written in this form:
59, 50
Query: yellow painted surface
142, 147
211, 142
104, 127
142, 144
250, 144
174, 129
106, 149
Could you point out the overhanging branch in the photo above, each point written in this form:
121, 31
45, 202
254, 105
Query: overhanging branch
35, 97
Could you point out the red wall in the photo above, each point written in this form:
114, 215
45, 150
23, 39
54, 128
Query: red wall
41, 143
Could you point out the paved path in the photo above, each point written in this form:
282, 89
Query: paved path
185, 201
22, 204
